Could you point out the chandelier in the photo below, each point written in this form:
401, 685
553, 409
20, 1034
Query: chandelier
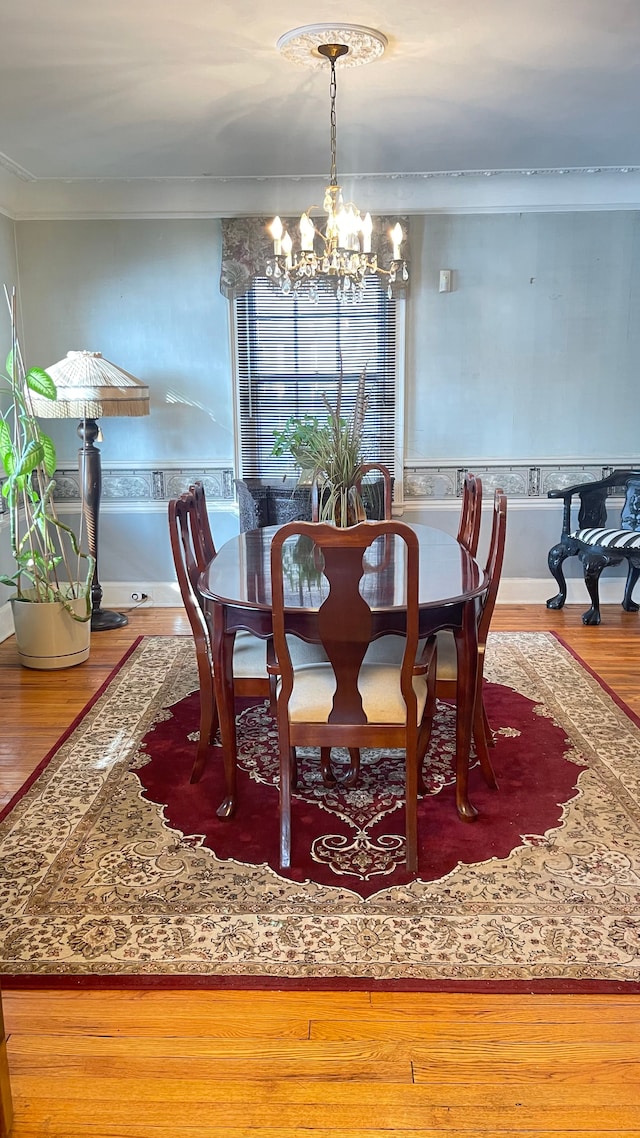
336, 247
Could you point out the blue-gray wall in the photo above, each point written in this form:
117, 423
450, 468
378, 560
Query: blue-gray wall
530, 357
534, 354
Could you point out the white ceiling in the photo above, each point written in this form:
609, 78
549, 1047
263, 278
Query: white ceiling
197, 91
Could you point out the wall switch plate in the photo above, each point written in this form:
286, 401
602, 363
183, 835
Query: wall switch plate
445, 280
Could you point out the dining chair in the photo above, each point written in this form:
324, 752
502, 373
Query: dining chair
441, 651
343, 702
249, 654
387, 485
204, 549
470, 513
316, 489
207, 549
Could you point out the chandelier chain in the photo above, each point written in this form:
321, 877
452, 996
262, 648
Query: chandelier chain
333, 88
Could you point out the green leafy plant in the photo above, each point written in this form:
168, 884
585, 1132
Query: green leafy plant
49, 563
331, 454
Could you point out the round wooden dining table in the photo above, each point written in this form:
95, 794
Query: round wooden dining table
236, 589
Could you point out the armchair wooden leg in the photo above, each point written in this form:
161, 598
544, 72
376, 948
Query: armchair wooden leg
593, 563
628, 604
557, 555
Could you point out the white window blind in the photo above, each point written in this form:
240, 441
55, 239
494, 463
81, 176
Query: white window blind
288, 355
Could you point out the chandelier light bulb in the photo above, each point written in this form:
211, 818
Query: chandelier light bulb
287, 246
396, 236
276, 230
307, 233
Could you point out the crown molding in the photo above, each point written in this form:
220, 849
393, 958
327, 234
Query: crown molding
458, 191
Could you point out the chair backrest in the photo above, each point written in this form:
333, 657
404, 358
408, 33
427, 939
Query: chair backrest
493, 567
247, 506
470, 513
316, 489
386, 483
630, 515
183, 520
345, 620
206, 547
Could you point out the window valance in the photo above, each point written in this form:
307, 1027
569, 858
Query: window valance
247, 245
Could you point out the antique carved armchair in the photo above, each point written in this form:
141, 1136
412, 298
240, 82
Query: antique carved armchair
597, 541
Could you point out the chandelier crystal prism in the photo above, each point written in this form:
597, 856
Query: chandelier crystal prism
338, 247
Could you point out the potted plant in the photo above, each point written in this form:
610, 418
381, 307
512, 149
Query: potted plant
330, 455
52, 602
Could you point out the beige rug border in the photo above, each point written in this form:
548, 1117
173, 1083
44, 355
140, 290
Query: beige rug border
249, 922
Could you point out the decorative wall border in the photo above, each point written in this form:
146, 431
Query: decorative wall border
149, 484
136, 485
438, 483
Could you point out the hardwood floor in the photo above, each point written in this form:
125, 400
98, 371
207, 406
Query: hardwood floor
139, 1064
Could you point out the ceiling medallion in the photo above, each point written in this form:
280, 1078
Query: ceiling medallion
301, 45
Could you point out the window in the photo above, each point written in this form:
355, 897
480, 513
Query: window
288, 355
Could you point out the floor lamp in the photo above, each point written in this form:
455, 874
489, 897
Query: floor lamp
90, 387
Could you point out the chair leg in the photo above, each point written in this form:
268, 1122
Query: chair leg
628, 604
480, 741
593, 563
557, 555
328, 777
208, 728
488, 733
273, 680
287, 760
424, 739
354, 769
426, 727
411, 806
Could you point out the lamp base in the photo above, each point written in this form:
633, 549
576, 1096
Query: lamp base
102, 620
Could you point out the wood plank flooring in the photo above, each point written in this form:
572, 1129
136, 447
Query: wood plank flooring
138, 1064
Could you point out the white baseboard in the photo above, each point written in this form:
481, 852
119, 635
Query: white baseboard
513, 591
537, 590
128, 594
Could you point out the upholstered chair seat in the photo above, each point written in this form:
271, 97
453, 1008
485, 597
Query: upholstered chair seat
379, 685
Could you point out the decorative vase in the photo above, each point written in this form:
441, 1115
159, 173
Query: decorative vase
355, 507
47, 635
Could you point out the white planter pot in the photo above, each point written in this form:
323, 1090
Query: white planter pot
47, 636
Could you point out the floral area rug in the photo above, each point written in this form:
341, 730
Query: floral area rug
115, 869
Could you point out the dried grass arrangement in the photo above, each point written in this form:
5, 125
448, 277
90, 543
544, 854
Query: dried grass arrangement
331, 454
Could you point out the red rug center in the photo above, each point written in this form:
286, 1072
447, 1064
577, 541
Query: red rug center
354, 838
